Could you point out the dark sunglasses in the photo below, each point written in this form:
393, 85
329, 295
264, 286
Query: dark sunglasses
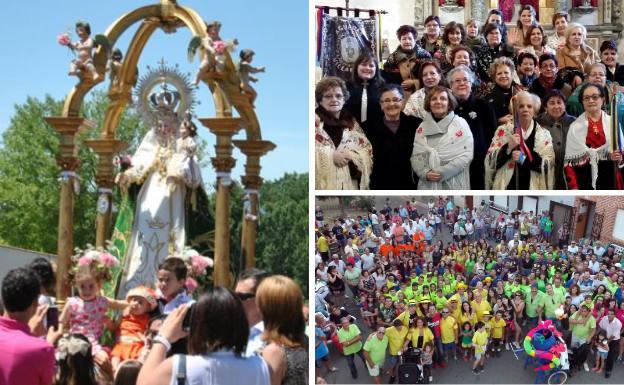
245, 296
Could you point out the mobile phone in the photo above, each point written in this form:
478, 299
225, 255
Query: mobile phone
52, 317
186, 323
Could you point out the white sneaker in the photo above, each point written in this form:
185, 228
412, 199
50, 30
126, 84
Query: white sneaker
430, 379
506, 346
585, 366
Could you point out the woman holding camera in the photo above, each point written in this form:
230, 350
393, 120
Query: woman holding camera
216, 346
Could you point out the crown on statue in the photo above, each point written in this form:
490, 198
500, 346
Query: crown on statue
164, 100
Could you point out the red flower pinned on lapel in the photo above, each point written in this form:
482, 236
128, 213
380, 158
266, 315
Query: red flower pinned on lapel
510, 165
501, 132
319, 138
419, 130
459, 134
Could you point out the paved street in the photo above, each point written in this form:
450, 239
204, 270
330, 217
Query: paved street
503, 370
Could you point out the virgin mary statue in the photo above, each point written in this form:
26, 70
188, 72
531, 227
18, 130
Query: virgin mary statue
164, 207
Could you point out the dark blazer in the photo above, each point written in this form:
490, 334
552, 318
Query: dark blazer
392, 169
354, 103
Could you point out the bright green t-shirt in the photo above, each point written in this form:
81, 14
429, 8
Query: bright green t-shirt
346, 335
533, 303
582, 331
470, 264
439, 302
376, 348
551, 304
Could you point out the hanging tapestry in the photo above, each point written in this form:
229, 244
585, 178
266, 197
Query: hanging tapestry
343, 39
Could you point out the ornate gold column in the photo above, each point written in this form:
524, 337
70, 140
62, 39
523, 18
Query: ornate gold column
106, 149
253, 149
223, 162
68, 129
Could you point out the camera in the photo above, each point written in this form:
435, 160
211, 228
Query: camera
52, 317
186, 323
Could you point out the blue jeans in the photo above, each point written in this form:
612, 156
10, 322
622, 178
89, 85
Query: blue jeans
351, 362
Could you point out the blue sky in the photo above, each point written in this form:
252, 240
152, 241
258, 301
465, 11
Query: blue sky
277, 30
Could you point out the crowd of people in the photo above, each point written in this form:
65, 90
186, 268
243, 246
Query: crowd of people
254, 334
470, 298
475, 107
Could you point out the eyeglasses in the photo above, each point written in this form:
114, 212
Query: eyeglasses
333, 96
461, 81
591, 97
245, 296
393, 100
549, 67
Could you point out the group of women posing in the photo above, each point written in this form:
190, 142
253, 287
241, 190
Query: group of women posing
459, 110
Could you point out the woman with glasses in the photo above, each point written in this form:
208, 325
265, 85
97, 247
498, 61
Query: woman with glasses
443, 145
479, 116
549, 78
493, 49
432, 40
521, 155
392, 136
557, 121
597, 75
344, 155
429, 75
591, 164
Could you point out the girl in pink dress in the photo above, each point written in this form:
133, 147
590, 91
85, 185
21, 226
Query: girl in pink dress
86, 313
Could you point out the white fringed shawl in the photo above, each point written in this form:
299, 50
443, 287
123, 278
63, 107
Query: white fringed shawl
331, 177
498, 178
453, 152
577, 152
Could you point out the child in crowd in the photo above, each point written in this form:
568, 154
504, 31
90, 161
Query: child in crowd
479, 342
466, 340
426, 360
86, 313
497, 333
171, 279
133, 324
602, 350
75, 362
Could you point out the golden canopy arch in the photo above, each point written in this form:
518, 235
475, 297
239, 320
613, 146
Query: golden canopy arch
226, 92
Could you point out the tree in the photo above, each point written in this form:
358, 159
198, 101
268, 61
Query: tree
29, 190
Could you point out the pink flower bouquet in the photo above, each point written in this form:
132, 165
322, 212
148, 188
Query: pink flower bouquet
63, 39
219, 46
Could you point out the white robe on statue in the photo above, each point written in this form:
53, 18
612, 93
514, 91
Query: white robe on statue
159, 218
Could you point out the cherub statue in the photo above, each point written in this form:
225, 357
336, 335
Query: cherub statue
114, 66
245, 70
83, 64
214, 47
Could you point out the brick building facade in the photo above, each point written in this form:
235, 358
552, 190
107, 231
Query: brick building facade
600, 216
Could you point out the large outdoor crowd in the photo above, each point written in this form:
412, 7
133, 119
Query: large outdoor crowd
475, 106
254, 334
470, 298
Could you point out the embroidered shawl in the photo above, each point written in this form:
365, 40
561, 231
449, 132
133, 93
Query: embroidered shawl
498, 178
331, 177
451, 155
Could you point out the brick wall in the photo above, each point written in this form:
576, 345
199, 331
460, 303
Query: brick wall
607, 206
